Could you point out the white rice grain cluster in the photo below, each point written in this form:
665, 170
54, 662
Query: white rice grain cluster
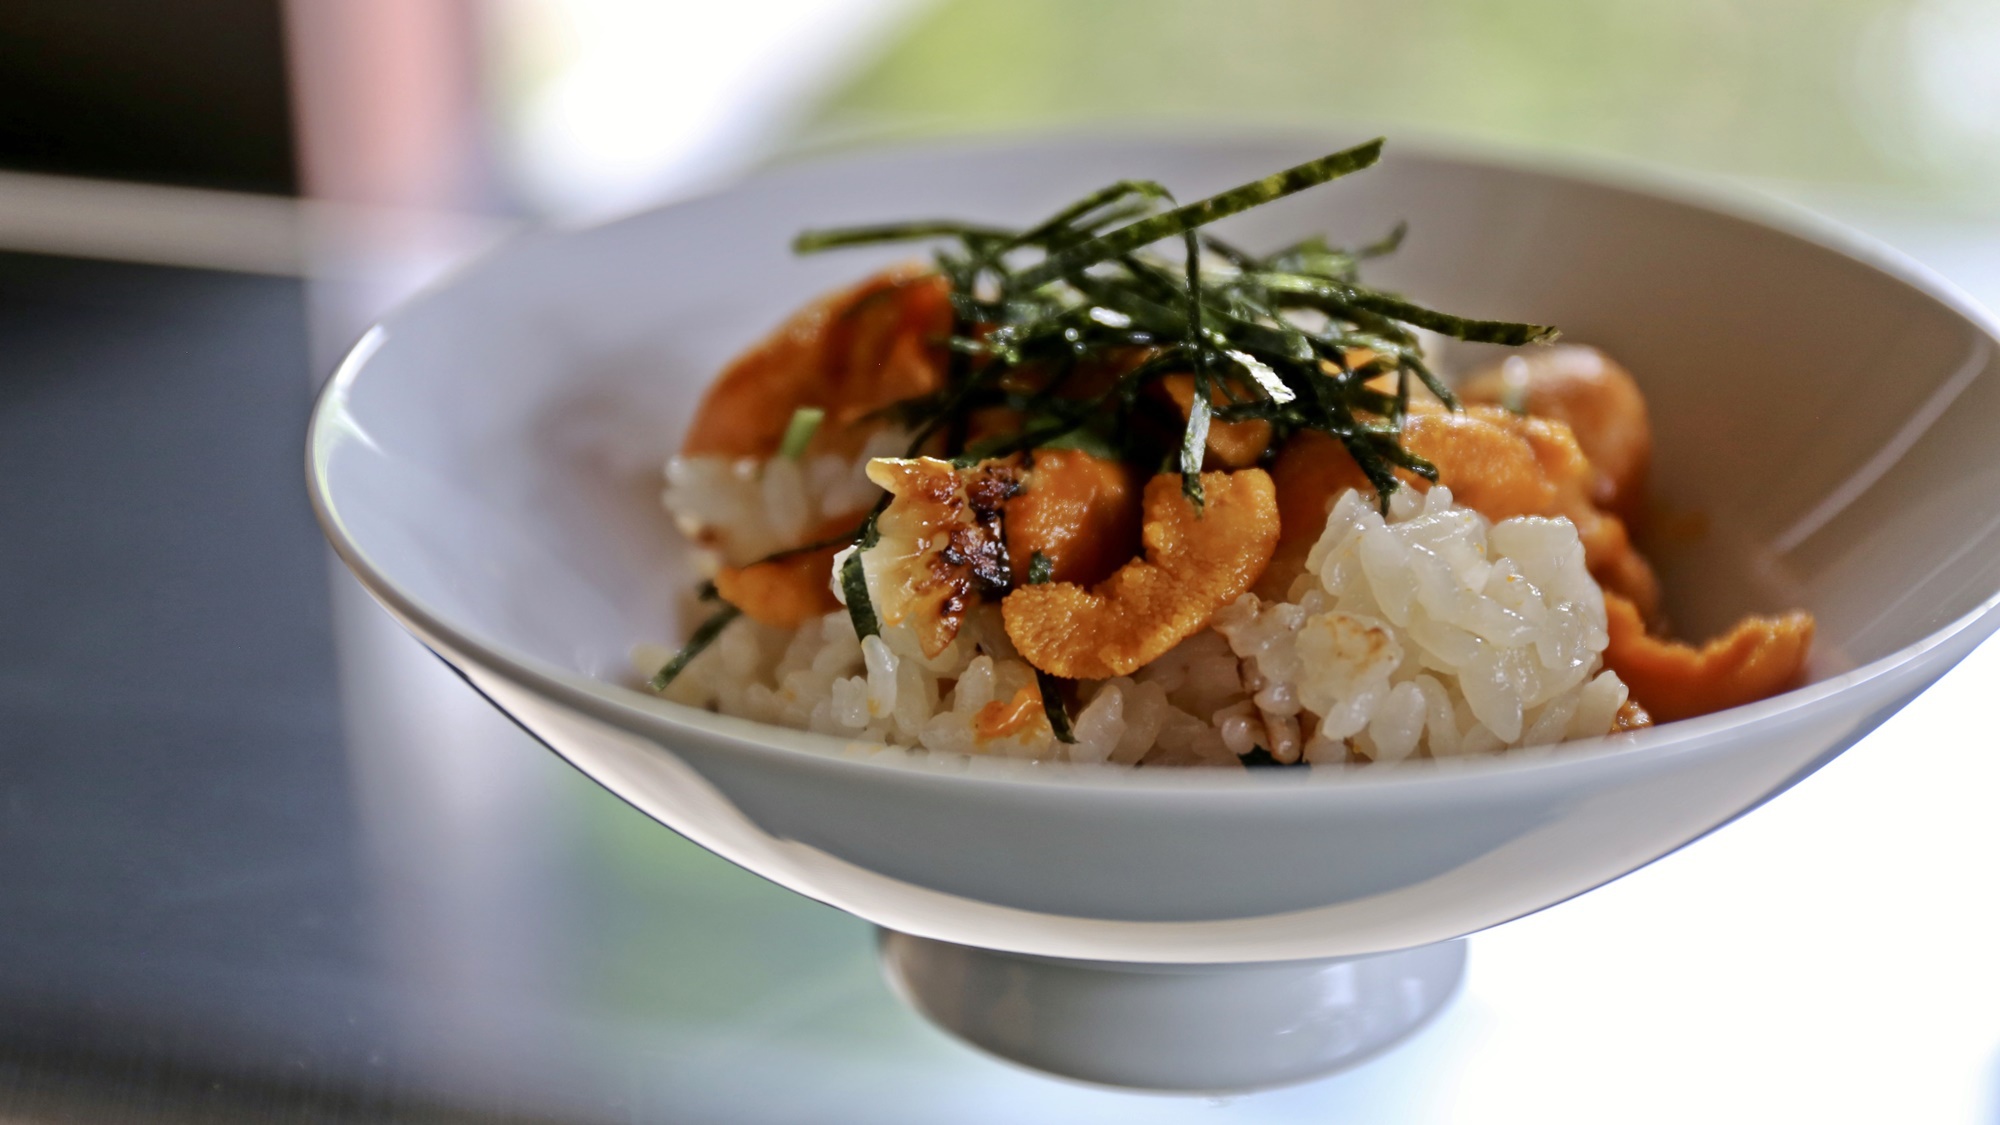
745, 508
1429, 632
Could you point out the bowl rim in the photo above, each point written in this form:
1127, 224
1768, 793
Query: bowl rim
633, 710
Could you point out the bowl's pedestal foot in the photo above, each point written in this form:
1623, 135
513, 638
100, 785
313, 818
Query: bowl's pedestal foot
1196, 1028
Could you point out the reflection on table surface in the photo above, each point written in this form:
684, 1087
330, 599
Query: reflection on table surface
227, 889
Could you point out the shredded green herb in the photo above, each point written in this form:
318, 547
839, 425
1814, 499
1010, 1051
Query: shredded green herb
1040, 569
799, 432
703, 637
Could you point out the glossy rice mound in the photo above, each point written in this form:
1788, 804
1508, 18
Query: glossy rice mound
1429, 633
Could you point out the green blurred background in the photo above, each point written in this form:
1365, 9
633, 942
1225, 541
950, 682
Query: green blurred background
1896, 97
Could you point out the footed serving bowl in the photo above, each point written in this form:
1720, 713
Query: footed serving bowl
1827, 418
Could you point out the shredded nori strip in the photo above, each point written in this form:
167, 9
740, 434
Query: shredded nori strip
854, 585
1260, 758
1041, 570
1131, 237
1194, 440
1242, 326
1052, 706
854, 578
812, 241
844, 539
703, 637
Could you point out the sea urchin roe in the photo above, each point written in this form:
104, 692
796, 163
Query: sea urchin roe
1597, 399
1010, 717
939, 544
788, 591
850, 354
1231, 445
1195, 563
1630, 716
1759, 658
1498, 464
1311, 472
1078, 511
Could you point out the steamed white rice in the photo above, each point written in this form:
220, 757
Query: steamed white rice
1429, 633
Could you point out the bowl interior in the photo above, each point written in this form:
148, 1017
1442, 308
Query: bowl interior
494, 450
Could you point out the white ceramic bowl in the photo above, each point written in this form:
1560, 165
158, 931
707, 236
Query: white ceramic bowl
487, 462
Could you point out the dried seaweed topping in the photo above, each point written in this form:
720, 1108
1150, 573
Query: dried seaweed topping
1068, 321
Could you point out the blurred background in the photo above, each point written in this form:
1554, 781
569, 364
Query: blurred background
262, 857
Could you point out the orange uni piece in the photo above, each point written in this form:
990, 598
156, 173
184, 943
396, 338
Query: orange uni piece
787, 592
1630, 716
1195, 563
1311, 472
849, 354
1231, 445
1760, 657
1599, 401
1496, 463
1005, 718
1078, 511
